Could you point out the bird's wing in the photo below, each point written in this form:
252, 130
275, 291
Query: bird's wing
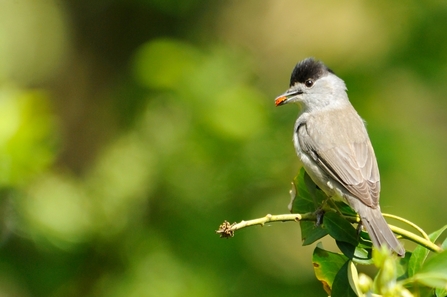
339, 144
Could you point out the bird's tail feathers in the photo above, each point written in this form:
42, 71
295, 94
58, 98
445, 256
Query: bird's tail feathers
379, 231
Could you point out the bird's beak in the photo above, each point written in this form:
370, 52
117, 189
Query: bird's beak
287, 96
281, 100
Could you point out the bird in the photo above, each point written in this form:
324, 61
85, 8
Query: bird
332, 143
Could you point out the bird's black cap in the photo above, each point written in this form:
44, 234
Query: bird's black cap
308, 68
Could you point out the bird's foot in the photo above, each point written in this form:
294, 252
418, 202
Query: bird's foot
319, 213
359, 228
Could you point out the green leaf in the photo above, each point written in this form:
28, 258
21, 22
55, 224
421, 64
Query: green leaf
365, 240
420, 253
326, 265
342, 282
440, 292
339, 228
402, 266
311, 233
356, 254
317, 195
434, 280
345, 209
303, 201
434, 272
444, 244
346, 248
353, 278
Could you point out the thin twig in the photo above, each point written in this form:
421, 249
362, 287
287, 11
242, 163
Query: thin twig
416, 239
409, 223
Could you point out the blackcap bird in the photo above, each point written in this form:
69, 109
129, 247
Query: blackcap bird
331, 141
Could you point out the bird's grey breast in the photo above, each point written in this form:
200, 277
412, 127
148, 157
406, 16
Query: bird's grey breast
307, 154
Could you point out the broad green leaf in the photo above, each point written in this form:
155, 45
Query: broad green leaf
303, 201
318, 196
346, 248
339, 228
345, 209
341, 286
311, 233
326, 266
434, 272
420, 253
307, 195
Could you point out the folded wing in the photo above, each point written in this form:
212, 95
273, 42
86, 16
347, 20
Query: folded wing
348, 158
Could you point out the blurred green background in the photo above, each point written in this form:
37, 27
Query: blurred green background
130, 129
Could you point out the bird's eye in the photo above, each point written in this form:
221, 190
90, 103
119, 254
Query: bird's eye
309, 83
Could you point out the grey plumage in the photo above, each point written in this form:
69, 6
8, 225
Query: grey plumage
333, 145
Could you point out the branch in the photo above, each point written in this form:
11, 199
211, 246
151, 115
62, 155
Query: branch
227, 230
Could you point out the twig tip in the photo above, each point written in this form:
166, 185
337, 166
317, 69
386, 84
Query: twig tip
225, 230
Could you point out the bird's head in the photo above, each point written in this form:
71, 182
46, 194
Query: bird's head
313, 85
